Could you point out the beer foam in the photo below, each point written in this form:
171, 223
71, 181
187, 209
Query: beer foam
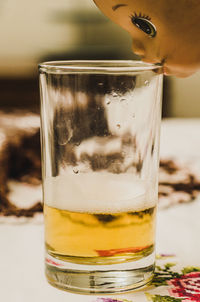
97, 193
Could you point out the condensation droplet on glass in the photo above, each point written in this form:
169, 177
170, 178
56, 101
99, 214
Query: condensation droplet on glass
100, 84
63, 139
75, 170
58, 126
108, 102
122, 100
62, 143
133, 115
115, 95
146, 83
118, 126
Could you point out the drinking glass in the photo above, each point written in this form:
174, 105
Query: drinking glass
100, 123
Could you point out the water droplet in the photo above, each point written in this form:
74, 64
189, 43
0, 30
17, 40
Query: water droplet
62, 143
115, 95
63, 139
118, 126
75, 170
77, 143
100, 84
108, 102
58, 125
133, 115
122, 100
146, 83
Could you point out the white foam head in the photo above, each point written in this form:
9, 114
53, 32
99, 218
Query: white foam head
97, 193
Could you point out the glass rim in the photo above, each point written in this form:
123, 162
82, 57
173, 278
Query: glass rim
99, 66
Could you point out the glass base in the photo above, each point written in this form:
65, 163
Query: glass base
99, 279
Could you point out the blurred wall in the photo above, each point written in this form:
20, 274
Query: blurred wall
35, 31
31, 31
183, 96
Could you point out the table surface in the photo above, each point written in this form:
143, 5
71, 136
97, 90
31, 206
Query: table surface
178, 228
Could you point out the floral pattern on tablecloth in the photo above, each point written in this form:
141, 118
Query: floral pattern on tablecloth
111, 300
181, 283
172, 282
187, 285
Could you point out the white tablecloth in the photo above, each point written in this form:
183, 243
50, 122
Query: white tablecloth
178, 232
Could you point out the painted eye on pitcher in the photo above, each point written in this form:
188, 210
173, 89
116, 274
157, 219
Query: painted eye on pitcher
143, 22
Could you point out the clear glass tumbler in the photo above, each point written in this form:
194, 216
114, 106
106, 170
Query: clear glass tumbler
100, 123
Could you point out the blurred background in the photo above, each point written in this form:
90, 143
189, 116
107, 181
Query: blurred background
36, 31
